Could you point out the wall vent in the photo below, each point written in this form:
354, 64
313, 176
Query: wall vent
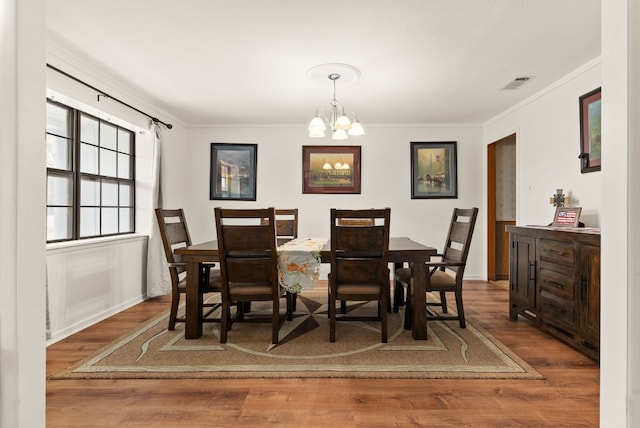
517, 82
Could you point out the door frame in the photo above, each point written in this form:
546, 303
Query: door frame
491, 205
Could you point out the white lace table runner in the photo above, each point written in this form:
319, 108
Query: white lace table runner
299, 263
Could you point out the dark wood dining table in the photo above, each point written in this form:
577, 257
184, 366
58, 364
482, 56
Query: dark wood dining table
401, 250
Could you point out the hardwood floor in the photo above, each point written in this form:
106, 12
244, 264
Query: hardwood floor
568, 397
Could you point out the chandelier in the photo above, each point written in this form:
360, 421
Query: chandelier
335, 118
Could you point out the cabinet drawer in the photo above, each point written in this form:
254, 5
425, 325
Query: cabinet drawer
557, 279
557, 310
558, 251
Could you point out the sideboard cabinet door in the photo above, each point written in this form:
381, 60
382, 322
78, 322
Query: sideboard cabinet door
522, 278
590, 297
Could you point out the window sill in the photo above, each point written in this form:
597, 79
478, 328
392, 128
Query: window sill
94, 242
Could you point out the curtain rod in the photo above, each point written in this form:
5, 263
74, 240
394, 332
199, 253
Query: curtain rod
104, 94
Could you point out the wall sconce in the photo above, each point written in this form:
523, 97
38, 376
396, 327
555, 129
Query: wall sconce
559, 199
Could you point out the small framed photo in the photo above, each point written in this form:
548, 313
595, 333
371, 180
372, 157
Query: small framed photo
331, 169
233, 171
434, 170
590, 136
566, 217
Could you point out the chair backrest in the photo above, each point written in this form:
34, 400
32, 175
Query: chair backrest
360, 246
458, 241
286, 224
175, 234
247, 246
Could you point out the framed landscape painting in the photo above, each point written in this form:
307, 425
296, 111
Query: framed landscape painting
331, 169
434, 171
590, 136
233, 171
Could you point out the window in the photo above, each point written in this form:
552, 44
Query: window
90, 176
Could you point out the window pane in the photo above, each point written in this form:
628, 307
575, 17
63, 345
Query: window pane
126, 195
108, 136
58, 223
126, 220
109, 221
124, 171
109, 193
57, 120
89, 192
88, 130
124, 141
88, 159
59, 190
58, 153
107, 163
89, 221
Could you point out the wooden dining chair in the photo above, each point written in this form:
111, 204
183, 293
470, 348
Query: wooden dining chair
445, 274
175, 234
286, 225
249, 266
359, 264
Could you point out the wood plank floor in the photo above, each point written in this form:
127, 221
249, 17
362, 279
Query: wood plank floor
568, 397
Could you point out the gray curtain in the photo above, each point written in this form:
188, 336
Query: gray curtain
158, 279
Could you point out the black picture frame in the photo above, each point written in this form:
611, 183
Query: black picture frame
331, 169
233, 172
434, 170
590, 135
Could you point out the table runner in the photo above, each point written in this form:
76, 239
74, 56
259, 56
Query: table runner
299, 263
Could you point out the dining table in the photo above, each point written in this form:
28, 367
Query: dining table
401, 250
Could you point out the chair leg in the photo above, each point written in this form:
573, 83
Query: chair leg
275, 321
332, 317
398, 295
343, 306
443, 301
383, 317
460, 309
224, 321
175, 302
408, 308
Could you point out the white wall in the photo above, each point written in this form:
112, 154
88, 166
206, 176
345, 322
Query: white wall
548, 143
22, 223
385, 181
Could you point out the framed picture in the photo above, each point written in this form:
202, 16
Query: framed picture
434, 171
590, 113
566, 217
233, 171
331, 169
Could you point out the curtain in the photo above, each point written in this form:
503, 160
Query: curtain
158, 279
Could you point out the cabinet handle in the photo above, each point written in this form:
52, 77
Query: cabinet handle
555, 284
532, 271
558, 252
583, 288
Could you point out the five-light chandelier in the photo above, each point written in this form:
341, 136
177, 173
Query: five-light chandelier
335, 118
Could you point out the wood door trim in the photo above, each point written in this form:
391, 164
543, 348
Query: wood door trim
491, 211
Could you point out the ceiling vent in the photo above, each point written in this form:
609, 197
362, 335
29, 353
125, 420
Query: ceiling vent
517, 82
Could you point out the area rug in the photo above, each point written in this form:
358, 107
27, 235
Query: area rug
304, 350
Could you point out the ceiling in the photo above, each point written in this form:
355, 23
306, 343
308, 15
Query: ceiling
246, 61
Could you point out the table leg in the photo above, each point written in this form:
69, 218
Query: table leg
418, 288
193, 317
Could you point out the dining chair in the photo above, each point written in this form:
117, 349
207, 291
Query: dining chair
359, 264
446, 273
249, 267
175, 234
286, 225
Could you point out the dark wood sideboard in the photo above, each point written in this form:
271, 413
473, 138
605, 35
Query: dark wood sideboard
554, 281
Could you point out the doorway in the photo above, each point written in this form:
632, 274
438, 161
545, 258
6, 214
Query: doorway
501, 204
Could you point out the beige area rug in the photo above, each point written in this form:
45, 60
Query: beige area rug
305, 351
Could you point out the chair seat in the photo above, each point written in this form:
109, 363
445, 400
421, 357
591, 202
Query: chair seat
439, 280
215, 284
253, 289
358, 290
